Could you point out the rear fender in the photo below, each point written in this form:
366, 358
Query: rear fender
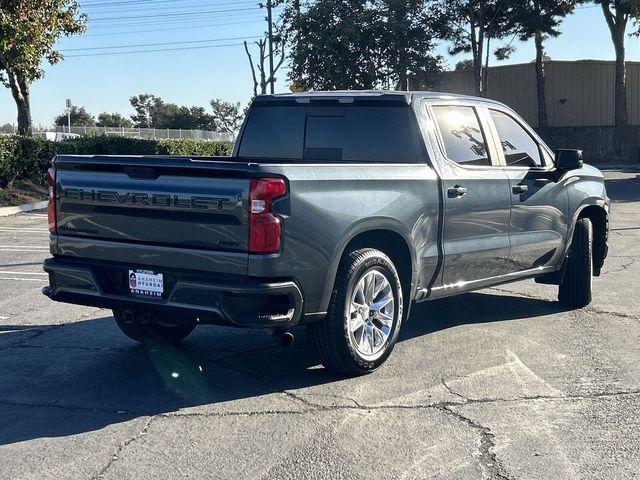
363, 226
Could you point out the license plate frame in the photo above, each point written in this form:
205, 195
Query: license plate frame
146, 283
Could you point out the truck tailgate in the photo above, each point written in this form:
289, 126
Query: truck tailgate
172, 202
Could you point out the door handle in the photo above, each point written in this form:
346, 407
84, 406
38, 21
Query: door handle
457, 191
518, 189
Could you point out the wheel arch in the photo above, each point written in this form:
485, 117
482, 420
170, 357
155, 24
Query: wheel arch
388, 239
600, 224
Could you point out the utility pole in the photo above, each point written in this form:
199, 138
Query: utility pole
69, 114
270, 20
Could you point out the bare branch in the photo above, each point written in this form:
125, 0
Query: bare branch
253, 69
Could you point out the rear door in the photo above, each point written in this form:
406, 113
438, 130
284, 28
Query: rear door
477, 199
538, 225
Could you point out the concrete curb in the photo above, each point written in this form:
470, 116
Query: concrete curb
27, 207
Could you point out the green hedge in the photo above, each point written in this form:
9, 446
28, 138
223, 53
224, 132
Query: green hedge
30, 157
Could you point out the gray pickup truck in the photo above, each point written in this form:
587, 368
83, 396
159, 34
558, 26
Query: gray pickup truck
336, 211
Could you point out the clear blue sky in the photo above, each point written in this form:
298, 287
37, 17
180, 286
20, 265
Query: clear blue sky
194, 76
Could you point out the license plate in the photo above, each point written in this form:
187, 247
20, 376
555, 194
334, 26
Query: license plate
146, 283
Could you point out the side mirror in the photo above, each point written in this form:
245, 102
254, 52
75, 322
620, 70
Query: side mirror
568, 159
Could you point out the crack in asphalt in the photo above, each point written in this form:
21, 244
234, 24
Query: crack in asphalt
489, 463
317, 407
299, 397
36, 334
623, 267
71, 407
116, 455
451, 391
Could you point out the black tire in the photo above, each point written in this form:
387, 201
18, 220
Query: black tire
147, 328
576, 285
333, 338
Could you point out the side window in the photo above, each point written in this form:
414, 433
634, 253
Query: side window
520, 149
464, 140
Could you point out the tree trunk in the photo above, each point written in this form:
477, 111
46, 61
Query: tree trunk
485, 70
543, 121
476, 48
20, 92
621, 118
617, 23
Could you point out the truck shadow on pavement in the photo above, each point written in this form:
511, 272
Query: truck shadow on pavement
84, 376
624, 189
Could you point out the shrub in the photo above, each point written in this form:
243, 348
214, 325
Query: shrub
9, 166
30, 157
196, 148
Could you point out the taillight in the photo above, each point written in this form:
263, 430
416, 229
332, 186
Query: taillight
51, 208
265, 229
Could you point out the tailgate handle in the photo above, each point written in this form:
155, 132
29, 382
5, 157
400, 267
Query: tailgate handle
141, 173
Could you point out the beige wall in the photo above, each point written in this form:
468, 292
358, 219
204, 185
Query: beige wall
585, 86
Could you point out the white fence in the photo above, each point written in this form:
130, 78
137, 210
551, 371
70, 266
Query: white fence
146, 133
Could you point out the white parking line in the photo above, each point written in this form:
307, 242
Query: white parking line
21, 273
23, 246
24, 250
24, 279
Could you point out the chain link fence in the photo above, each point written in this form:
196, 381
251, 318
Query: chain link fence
144, 133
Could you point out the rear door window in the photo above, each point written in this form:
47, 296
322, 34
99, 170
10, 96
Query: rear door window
463, 140
520, 149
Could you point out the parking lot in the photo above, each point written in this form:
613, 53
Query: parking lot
502, 383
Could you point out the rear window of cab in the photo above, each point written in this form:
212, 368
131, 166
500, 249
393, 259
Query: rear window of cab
381, 134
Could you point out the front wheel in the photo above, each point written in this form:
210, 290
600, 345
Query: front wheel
364, 317
575, 288
144, 327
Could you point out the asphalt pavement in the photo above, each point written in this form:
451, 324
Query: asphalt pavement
502, 383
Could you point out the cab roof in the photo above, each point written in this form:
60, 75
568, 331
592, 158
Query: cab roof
363, 96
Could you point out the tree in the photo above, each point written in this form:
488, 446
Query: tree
227, 116
471, 25
29, 30
617, 14
464, 65
147, 109
406, 40
366, 44
260, 78
189, 118
153, 112
113, 120
79, 117
540, 19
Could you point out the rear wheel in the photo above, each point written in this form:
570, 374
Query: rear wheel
145, 327
575, 288
364, 317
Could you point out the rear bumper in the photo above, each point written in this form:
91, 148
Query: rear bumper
244, 303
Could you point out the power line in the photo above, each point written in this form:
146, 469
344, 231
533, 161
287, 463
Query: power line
151, 51
182, 14
172, 6
141, 3
190, 27
172, 21
110, 47
161, 22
